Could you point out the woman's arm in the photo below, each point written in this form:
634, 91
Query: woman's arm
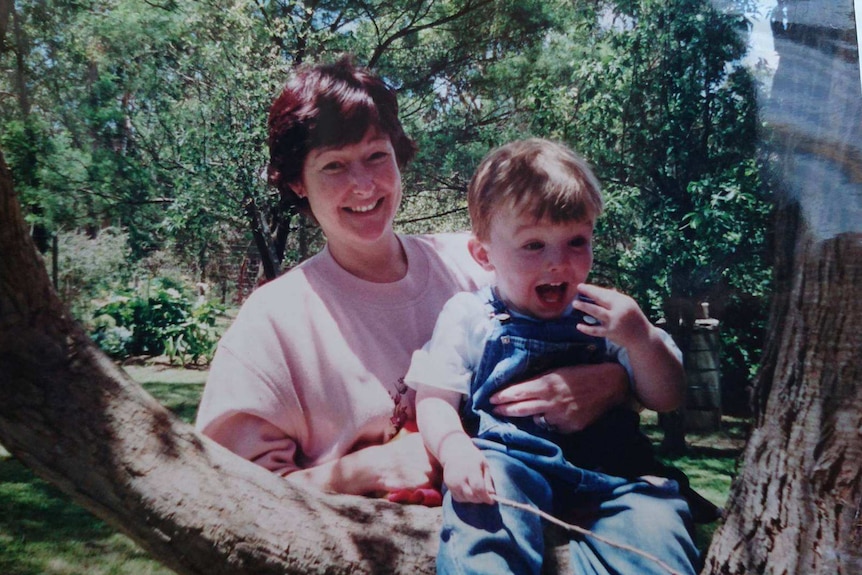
571, 398
400, 464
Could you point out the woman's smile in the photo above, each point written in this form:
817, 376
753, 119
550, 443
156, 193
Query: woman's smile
365, 208
354, 191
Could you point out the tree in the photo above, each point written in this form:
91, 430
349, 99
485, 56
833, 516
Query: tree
151, 116
795, 506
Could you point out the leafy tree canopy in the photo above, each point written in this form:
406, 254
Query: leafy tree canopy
150, 117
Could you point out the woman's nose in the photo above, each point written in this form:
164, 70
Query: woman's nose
361, 180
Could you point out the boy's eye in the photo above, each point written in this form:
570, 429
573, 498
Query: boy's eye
578, 242
533, 246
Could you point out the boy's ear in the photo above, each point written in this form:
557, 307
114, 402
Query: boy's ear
480, 254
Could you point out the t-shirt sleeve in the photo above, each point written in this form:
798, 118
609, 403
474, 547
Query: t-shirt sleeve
448, 359
619, 354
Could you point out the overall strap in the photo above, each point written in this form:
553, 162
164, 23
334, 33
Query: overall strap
494, 305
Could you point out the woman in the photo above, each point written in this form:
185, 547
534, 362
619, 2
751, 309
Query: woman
308, 381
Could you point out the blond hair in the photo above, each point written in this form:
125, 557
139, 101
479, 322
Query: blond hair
545, 178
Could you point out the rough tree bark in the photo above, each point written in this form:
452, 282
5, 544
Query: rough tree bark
796, 506
79, 422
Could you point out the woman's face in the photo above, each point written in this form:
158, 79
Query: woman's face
353, 191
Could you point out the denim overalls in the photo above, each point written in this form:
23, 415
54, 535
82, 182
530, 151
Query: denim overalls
558, 473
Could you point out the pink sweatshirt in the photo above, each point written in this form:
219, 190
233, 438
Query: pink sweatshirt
313, 366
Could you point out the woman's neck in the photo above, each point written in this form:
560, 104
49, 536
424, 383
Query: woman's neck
384, 262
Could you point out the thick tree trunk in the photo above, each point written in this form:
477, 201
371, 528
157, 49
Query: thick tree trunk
78, 421
796, 506
797, 502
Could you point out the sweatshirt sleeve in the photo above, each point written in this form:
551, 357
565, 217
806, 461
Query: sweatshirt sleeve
238, 410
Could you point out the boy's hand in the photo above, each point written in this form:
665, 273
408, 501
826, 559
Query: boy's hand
658, 376
466, 473
620, 318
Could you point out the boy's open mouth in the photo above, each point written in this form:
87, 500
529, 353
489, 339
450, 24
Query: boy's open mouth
553, 292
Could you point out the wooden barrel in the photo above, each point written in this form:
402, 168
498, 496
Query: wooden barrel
703, 378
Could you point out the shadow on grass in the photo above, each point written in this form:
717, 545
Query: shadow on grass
39, 511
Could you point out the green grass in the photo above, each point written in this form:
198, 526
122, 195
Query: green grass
710, 463
43, 533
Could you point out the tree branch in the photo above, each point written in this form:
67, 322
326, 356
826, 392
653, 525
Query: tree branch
411, 29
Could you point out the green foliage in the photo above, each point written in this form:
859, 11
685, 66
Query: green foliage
158, 318
656, 98
90, 266
151, 117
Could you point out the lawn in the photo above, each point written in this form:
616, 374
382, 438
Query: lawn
43, 533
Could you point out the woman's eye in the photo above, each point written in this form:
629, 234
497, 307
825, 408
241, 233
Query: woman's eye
331, 167
378, 156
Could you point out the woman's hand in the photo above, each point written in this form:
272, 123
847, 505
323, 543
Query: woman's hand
402, 464
570, 398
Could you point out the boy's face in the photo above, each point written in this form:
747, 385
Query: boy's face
538, 264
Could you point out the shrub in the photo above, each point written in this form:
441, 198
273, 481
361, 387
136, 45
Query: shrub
159, 318
89, 266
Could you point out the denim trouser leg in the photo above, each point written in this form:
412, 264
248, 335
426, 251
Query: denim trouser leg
648, 517
478, 538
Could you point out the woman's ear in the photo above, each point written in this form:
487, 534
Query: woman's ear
298, 189
480, 253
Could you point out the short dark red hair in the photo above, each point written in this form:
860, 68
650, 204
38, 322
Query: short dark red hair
329, 105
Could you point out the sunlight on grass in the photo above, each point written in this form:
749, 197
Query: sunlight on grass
178, 389
162, 374
43, 533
